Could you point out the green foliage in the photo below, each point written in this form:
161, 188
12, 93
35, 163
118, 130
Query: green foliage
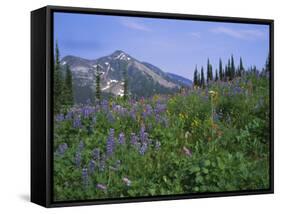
196, 77
98, 89
207, 140
202, 78
126, 91
58, 82
63, 89
209, 72
217, 76
268, 64
68, 92
220, 70
232, 68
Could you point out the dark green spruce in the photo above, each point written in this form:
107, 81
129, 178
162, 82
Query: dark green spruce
68, 92
202, 78
220, 70
58, 82
195, 77
98, 89
126, 81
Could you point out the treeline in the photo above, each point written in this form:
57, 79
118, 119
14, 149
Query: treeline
62, 90
224, 73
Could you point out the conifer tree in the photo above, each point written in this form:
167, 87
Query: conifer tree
232, 68
125, 76
267, 64
58, 81
241, 68
225, 73
68, 93
220, 70
195, 77
202, 78
208, 71
217, 76
98, 89
228, 70
211, 72
255, 69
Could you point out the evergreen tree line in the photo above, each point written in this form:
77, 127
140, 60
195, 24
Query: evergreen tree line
63, 91
223, 73
228, 73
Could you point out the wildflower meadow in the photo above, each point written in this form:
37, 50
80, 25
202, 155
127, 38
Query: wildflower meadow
204, 139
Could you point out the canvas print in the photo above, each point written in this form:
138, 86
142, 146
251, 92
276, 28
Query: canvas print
156, 107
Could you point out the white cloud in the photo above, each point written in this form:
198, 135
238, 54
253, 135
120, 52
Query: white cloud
239, 34
132, 24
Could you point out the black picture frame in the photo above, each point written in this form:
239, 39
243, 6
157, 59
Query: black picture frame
41, 103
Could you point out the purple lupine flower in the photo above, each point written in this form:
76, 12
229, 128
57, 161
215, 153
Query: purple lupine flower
62, 148
78, 159
133, 114
92, 166
110, 143
132, 101
69, 115
134, 139
104, 105
101, 187
160, 108
127, 181
86, 111
121, 139
96, 154
143, 148
157, 118
142, 133
147, 110
60, 118
77, 123
237, 90
85, 177
119, 109
113, 105
97, 107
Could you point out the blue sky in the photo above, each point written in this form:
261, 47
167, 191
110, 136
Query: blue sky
175, 46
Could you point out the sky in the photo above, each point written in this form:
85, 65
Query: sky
175, 46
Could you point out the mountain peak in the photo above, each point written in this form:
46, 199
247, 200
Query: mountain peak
119, 54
